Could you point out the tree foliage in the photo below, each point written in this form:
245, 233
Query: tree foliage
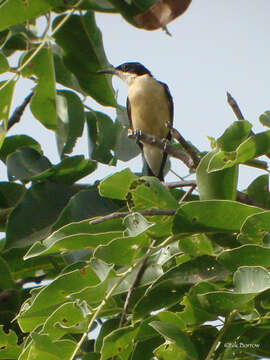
128, 267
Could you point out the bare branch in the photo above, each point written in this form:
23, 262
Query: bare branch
116, 215
180, 184
189, 149
235, 108
165, 146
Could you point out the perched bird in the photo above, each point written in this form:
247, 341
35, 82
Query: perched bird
150, 110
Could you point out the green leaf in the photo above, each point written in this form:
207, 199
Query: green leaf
145, 349
255, 228
251, 279
6, 280
67, 318
10, 195
98, 5
50, 297
249, 282
117, 185
196, 245
136, 224
68, 171
15, 42
117, 342
33, 218
258, 190
172, 333
101, 135
122, 251
251, 148
15, 142
70, 113
223, 302
6, 94
193, 314
81, 41
170, 351
8, 345
25, 163
17, 12
44, 348
43, 103
217, 185
149, 193
265, 118
211, 216
62, 74
79, 241
86, 204
234, 135
246, 255
175, 282
4, 66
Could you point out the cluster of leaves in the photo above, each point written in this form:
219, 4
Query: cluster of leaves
200, 260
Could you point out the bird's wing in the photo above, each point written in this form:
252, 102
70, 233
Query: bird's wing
129, 114
170, 100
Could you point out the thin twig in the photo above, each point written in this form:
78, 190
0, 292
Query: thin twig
220, 335
98, 310
117, 215
235, 108
186, 194
189, 149
165, 146
134, 285
180, 184
17, 114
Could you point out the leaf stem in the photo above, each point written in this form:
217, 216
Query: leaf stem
99, 308
220, 335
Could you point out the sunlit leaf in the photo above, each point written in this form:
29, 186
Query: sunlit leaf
117, 186
212, 216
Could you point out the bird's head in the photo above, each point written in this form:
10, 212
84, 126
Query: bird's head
128, 71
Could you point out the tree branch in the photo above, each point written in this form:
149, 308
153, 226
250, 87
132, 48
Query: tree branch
17, 114
189, 149
117, 215
180, 184
235, 108
164, 146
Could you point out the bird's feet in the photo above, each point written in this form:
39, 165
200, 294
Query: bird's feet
137, 133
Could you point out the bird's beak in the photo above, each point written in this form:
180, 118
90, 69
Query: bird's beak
111, 71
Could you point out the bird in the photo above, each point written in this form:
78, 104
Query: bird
150, 110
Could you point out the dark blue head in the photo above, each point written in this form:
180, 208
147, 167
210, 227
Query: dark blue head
133, 68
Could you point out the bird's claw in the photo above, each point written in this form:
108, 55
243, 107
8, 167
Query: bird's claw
137, 133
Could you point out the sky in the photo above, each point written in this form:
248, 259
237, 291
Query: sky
216, 46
